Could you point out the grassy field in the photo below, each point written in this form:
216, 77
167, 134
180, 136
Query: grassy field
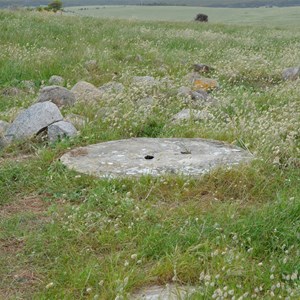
233, 234
275, 16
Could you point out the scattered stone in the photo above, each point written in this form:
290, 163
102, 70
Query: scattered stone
112, 88
291, 73
60, 130
183, 91
56, 80
191, 114
147, 81
91, 65
86, 92
205, 84
154, 156
11, 91
33, 120
77, 120
57, 95
3, 126
201, 68
200, 98
168, 292
145, 104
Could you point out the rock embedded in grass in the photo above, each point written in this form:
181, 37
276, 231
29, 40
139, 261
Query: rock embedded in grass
33, 120
191, 114
60, 130
86, 92
56, 80
184, 91
154, 156
112, 87
291, 73
57, 95
146, 81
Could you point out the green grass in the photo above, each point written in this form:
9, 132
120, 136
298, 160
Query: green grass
277, 16
65, 236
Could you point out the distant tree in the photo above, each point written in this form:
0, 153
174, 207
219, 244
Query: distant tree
56, 5
201, 18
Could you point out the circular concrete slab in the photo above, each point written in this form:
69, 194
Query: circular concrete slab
153, 156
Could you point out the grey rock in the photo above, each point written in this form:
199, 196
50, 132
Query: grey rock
291, 73
112, 88
184, 91
153, 156
147, 81
57, 95
60, 130
145, 104
86, 92
168, 292
191, 114
56, 80
199, 95
3, 127
33, 120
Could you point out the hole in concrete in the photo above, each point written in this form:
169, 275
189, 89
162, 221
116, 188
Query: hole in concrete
149, 157
186, 152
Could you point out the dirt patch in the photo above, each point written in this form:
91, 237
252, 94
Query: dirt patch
18, 278
12, 245
31, 204
19, 285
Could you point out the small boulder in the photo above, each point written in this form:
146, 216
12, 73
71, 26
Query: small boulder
61, 130
200, 98
291, 73
57, 95
32, 121
86, 92
56, 80
112, 88
183, 91
191, 114
144, 105
147, 81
